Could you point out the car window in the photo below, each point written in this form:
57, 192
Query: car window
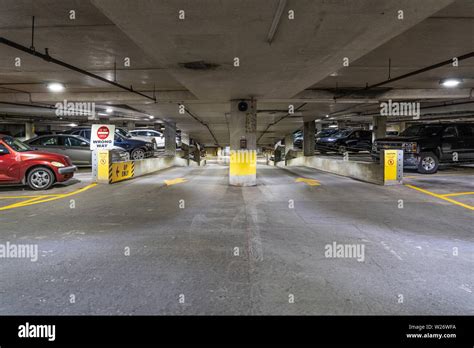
86, 133
72, 141
3, 150
421, 130
48, 141
466, 130
450, 130
16, 144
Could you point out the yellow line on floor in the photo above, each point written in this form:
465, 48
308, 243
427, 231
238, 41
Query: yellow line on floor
457, 194
175, 181
45, 198
441, 197
310, 182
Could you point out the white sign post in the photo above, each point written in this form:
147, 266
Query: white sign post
102, 138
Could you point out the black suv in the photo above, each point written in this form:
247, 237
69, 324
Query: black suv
348, 140
427, 145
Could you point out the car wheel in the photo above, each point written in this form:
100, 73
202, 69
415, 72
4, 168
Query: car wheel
138, 154
428, 163
40, 178
342, 149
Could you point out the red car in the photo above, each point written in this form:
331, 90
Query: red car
19, 164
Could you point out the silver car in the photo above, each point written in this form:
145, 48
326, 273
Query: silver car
75, 147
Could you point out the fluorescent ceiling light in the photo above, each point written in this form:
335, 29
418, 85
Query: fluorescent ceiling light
333, 126
109, 110
452, 82
56, 87
152, 117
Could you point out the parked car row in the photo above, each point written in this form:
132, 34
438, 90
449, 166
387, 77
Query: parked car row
347, 140
75, 147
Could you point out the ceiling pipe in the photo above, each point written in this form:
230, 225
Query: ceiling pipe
50, 59
276, 21
274, 123
203, 123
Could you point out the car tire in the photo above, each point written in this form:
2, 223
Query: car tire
40, 178
137, 154
428, 164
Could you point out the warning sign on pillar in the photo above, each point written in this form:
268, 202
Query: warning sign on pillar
102, 136
393, 166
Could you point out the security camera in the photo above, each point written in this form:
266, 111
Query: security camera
243, 106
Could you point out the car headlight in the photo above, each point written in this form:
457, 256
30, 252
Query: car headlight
410, 147
57, 164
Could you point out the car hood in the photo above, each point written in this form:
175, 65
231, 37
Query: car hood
44, 155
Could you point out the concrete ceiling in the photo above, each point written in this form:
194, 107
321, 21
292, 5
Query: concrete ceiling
303, 64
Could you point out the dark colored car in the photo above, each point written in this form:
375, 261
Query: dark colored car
20, 164
75, 147
327, 133
349, 140
138, 149
425, 146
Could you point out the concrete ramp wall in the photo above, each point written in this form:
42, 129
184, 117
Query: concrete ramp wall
364, 171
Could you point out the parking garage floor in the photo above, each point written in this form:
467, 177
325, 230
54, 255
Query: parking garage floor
166, 244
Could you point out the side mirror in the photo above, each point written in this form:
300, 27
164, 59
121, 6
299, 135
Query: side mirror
84, 143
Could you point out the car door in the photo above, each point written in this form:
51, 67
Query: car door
159, 138
78, 150
9, 166
466, 142
451, 144
49, 143
351, 142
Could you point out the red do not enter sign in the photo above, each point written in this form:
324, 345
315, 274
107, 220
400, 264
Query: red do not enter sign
103, 132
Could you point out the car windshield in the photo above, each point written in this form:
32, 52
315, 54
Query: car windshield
16, 144
341, 134
122, 132
422, 130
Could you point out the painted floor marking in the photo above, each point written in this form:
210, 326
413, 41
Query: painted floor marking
443, 197
36, 199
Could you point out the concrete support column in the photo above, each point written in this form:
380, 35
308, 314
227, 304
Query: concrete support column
379, 127
288, 143
29, 130
243, 143
130, 125
170, 139
308, 138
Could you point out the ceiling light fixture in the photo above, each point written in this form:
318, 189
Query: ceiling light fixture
56, 87
450, 82
109, 110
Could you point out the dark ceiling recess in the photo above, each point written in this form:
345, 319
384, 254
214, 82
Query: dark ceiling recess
199, 65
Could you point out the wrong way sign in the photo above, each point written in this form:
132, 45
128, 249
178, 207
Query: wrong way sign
102, 136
